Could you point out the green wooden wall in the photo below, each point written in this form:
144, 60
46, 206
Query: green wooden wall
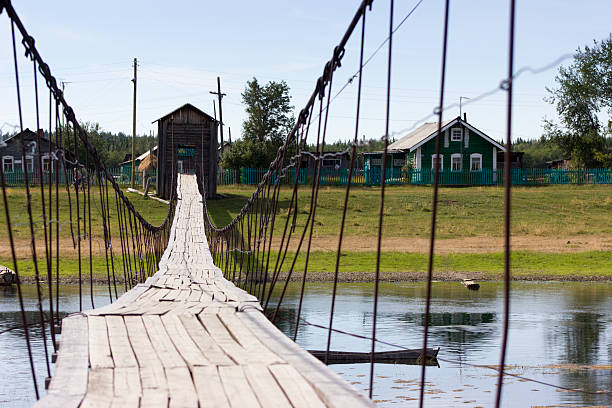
476, 144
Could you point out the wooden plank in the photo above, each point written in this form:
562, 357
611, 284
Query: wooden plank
164, 347
183, 343
330, 386
71, 372
299, 391
237, 388
127, 382
209, 388
223, 338
99, 347
123, 355
153, 398
248, 340
99, 388
181, 390
130, 401
267, 390
204, 341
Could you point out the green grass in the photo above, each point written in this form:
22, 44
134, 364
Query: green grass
463, 212
153, 211
525, 264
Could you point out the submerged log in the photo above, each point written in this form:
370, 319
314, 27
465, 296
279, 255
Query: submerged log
7, 276
470, 284
410, 357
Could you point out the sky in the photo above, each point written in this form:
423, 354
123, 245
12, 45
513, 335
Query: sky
182, 46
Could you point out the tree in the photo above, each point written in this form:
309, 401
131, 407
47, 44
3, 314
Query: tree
584, 90
268, 123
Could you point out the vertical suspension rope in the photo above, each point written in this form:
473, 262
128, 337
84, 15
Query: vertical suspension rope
346, 195
507, 202
382, 201
434, 212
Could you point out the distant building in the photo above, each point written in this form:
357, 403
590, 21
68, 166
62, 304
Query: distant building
516, 162
187, 141
559, 164
126, 164
335, 160
12, 153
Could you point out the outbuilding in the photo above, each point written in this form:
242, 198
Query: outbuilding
187, 143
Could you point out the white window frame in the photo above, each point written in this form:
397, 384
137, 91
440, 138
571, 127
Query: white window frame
456, 134
453, 157
46, 161
25, 163
6, 160
441, 161
476, 156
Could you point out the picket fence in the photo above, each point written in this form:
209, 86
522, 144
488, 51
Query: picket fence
373, 177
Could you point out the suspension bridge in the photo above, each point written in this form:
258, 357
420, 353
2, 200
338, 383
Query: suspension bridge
187, 337
185, 326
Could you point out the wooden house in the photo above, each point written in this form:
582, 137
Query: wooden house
187, 143
335, 161
463, 147
13, 158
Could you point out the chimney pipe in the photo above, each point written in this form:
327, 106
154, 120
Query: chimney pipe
464, 117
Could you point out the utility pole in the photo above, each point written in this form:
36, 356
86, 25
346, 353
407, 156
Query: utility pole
134, 125
220, 95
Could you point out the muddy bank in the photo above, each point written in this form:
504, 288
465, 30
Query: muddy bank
385, 277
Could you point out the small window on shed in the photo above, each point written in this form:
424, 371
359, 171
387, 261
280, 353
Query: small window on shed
456, 134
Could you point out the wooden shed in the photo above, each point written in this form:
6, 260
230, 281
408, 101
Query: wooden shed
187, 143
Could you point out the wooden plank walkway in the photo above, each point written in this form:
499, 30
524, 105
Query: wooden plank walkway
187, 337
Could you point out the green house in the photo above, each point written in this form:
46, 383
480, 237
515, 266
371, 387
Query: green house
467, 157
462, 147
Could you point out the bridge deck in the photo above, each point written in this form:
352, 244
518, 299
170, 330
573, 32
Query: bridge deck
186, 338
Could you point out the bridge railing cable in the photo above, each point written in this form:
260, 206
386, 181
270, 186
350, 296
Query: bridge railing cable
90, 203
240, 247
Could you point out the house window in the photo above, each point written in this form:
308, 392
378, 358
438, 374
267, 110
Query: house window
46, 163
30, 163
476, 162
435, 160
7, 164
456, 135
456, 162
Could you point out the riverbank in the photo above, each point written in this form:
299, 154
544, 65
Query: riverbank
395, 266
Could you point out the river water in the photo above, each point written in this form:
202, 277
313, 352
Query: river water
560, 333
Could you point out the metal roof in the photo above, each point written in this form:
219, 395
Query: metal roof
428, 131
413, 138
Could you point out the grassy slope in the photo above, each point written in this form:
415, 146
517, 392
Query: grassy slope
463, 212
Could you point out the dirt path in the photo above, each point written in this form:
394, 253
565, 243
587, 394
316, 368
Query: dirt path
482, 244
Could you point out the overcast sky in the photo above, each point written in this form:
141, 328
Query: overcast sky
182, 46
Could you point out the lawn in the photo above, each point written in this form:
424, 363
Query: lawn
560, 231
551, 211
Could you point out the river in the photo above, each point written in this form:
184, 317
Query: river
560, 333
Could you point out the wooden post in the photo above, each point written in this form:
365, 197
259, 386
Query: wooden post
134, 125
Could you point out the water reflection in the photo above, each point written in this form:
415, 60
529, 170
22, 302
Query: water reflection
552, 324
560, 333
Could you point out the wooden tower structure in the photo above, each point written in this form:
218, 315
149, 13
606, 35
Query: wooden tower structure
187, 144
